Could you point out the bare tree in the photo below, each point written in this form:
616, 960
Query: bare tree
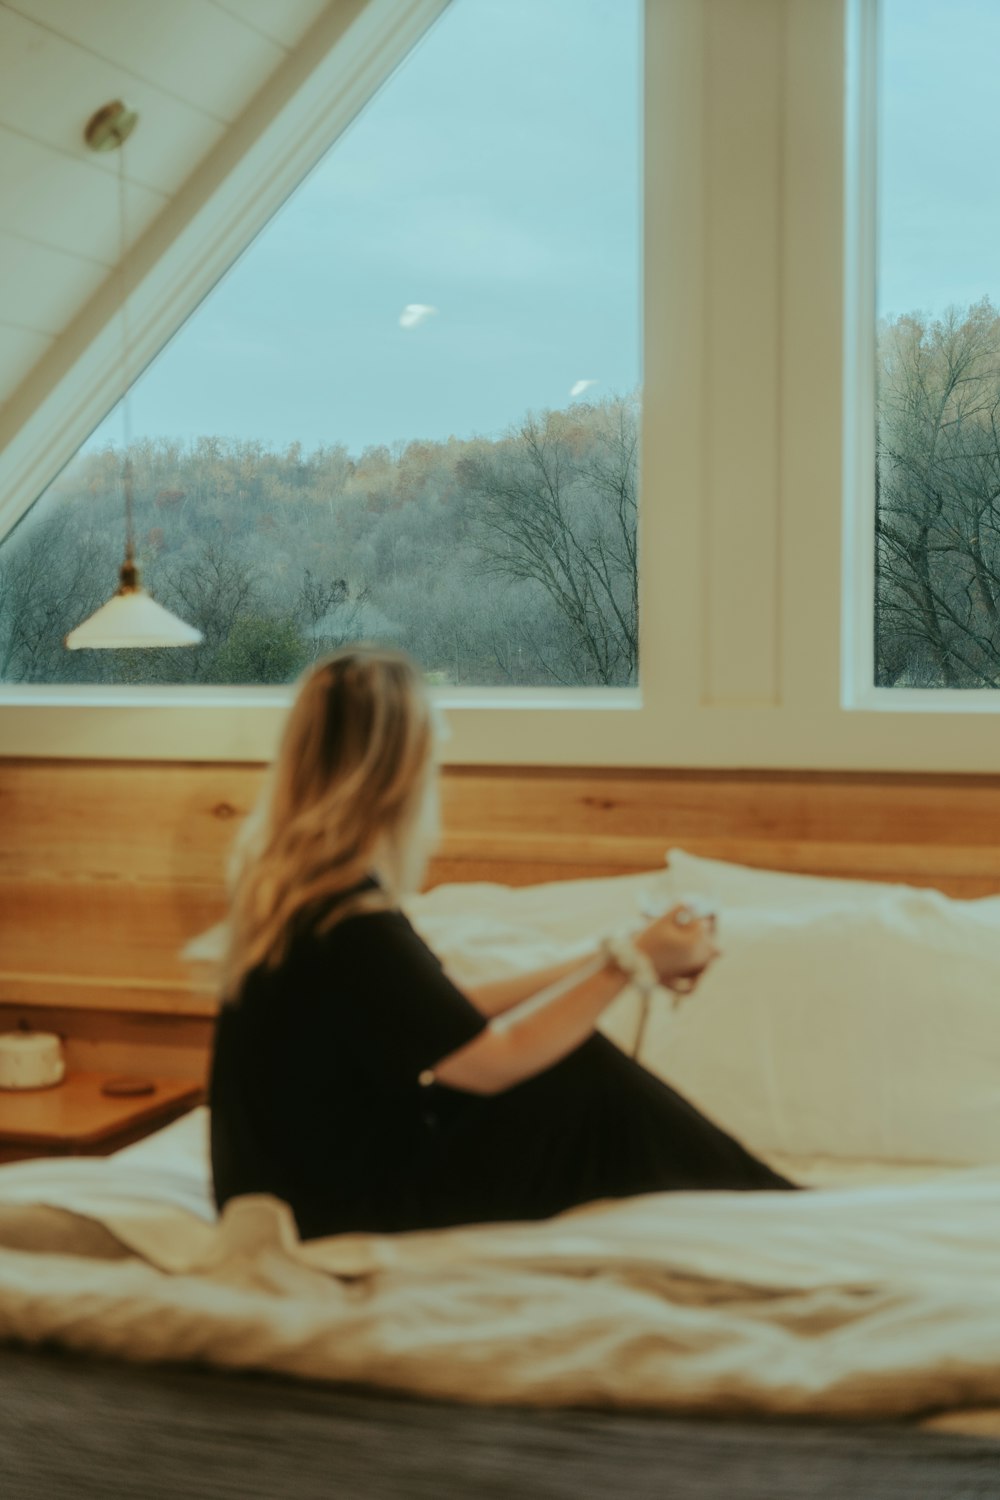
50, 580
557, 506
317, 597
509, 562
938, 501
212, 589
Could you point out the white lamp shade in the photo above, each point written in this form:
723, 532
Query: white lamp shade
129, 619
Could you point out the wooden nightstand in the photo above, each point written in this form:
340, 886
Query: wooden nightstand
75, 1119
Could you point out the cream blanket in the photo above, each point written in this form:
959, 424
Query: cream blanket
855, 1302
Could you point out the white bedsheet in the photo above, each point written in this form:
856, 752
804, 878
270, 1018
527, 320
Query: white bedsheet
855, 1301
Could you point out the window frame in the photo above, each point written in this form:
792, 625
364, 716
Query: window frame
219, 722
757, 320
864, 43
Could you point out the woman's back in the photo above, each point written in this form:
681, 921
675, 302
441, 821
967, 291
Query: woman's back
335, 1011
314, 1088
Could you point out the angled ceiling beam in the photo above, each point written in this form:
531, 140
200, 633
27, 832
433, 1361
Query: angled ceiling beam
311, 98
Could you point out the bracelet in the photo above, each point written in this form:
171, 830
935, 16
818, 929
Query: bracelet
638, 969
632, 962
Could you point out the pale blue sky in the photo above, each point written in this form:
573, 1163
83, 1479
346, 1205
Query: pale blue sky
939, 154
495, 178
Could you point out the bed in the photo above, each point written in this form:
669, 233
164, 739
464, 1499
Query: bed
873, 1300
869, 1304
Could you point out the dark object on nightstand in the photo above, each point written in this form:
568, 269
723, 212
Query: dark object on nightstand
127, 1088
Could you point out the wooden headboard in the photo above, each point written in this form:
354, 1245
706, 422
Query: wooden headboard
107, 869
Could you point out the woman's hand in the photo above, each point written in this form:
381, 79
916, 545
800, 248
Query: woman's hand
680, 946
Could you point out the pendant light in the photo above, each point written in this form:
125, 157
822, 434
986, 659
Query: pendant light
131, 617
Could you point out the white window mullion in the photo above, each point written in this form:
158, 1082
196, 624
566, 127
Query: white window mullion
860, 256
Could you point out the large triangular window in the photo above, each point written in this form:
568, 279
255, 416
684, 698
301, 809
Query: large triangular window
409, 413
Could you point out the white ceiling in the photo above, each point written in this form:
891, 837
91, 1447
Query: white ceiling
190, 67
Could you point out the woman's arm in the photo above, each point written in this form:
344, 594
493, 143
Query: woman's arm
501, 994
529, 1038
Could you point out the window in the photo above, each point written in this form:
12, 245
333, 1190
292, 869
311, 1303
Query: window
410, 411
756, 616
937, 571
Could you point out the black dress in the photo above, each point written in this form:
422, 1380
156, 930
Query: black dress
315, 1099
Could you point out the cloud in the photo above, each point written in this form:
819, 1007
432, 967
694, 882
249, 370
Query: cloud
581, 386
415, 313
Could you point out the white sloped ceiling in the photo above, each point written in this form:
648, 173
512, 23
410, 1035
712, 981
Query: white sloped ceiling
190, 67
236, 99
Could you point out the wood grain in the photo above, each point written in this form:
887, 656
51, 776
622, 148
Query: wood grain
76, 1113
118, 1041
108, 869
105, 821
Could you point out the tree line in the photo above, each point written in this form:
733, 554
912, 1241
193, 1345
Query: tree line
494, 561
937, 533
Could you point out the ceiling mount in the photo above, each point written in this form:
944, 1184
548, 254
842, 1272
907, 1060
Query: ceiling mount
111, 125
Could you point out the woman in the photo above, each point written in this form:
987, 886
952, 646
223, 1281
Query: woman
352, 1079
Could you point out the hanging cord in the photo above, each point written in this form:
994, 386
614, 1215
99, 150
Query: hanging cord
129, 571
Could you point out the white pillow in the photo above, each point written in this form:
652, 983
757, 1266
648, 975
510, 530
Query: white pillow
485, 931
723, 885
866, 1030
845, 1019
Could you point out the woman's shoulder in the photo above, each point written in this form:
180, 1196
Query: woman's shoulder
333, 910
372, 919
320, 954
371, 929
354, 935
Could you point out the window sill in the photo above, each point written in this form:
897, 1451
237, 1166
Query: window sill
955, 702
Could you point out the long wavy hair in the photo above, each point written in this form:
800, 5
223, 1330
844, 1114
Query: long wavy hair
352, 787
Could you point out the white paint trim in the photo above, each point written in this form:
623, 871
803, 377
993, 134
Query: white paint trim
953, 702
224, 728
858, 689
672, 555
860, 261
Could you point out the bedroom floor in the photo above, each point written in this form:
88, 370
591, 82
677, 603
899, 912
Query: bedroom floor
96, 1430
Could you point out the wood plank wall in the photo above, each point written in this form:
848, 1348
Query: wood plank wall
108, 869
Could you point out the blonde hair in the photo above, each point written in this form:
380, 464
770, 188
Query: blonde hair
352, 782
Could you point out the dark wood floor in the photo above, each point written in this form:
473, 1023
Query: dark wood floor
94, 1430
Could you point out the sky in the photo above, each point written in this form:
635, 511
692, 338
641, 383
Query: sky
470, 249
939, 155
492, 188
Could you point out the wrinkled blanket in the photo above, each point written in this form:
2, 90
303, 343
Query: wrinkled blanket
855, 1302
